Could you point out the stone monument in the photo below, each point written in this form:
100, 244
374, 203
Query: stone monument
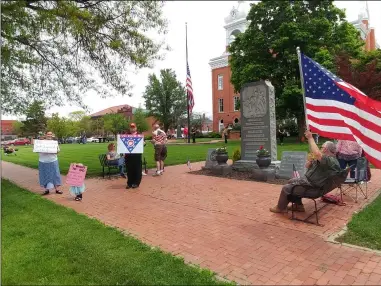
289, 160
258, 125
210, 159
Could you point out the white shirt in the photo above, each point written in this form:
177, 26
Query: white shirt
48, 157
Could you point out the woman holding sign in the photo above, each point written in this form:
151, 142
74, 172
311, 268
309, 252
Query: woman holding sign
49, 170
133, 164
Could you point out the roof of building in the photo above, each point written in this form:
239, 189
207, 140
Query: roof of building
113, 109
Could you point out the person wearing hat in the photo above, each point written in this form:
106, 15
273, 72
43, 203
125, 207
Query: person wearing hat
133, 164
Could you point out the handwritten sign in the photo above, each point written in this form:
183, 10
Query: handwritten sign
130, 144
45, 146
76, 175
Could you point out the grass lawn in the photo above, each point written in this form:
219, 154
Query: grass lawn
364, 228
45, 244
88, 154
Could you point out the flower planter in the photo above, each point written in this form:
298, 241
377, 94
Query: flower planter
222, 158
263, 161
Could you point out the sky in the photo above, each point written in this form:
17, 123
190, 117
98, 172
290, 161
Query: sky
206, 40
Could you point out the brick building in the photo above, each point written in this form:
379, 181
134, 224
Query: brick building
223, 96
7, 129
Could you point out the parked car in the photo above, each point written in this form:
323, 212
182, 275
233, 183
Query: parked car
70, 140
92, 139
21, 141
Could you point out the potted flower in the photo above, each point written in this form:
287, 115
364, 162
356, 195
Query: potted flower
263, 157
222, 155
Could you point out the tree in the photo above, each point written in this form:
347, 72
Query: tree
77, 115
140, 119
35, 122
165, 98
115, 123
85, 124
58, 125
97, 125
267, 49
56, 50
363, 72
196, 121
18, 128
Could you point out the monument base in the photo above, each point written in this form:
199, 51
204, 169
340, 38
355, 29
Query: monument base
250, 166
222, 170
264, 175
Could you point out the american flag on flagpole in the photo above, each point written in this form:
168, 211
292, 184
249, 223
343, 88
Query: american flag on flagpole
295, 173
189, 90
336, 109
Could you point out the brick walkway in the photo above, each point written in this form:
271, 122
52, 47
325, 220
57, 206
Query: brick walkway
225, 225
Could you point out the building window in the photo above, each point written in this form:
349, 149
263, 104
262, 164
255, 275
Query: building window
221, 105
235, 102
236, 120
220, 81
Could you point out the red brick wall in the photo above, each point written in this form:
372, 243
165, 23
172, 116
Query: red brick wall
7, 127
227, 93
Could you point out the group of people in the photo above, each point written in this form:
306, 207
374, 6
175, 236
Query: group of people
324, 164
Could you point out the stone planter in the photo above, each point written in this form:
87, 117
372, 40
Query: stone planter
263, 161
222, 158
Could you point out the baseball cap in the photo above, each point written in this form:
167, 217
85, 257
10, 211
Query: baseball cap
133, 125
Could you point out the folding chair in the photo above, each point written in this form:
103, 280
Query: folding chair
359, 183
330, 185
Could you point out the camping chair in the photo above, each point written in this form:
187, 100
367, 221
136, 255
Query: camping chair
359, 183
330, 185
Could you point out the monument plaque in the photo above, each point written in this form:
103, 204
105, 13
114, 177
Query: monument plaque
258, 123
211, 159
288, 160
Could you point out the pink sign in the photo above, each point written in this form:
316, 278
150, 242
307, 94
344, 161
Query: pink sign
76, 175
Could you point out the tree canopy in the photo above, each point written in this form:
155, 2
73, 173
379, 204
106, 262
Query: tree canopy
35, 122
140, 119
267, 49
165, 98
55, 51
363, 72
115, 123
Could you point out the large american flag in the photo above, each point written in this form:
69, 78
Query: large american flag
189, 90
336, 109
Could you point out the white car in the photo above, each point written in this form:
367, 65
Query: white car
92, 139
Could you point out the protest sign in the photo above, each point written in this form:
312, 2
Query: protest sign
45, 146
76, 175
130, 144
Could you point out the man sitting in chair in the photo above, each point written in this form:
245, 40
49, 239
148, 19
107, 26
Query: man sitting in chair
321, 166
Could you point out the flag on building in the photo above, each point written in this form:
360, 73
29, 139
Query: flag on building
336, 109
295, 173
189, 90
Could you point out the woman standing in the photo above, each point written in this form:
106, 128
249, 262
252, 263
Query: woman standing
225, 133
347, 153
49, 170
133, 164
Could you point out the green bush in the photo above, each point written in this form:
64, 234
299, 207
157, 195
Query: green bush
148, 138
291, 127
214, 135
236, 155
236, 127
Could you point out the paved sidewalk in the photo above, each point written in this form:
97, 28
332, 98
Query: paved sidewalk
225, 225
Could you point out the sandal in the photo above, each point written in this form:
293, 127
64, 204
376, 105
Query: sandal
59, 192
78, 199
45, 193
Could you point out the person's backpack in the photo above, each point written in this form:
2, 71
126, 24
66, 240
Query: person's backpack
332, 199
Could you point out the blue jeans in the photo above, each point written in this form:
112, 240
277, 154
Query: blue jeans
118, 162
343, 164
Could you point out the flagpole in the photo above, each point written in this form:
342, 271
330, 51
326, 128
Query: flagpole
302, 83
186, 49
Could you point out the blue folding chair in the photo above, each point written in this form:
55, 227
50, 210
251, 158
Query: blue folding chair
359, 184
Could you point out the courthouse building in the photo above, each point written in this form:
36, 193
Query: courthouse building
223, 97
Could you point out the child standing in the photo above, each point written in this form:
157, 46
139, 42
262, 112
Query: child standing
77, 191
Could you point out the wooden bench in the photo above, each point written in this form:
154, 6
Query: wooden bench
104, 163
330, 185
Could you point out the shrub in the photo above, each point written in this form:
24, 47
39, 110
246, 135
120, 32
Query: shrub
214, 135
148, 138
236, 127
236, 155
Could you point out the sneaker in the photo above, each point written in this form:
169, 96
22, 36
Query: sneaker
277, 210
161, 172
144, 174
157, 173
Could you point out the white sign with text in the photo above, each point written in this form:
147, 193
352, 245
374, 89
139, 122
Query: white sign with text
130, 144
45, 146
